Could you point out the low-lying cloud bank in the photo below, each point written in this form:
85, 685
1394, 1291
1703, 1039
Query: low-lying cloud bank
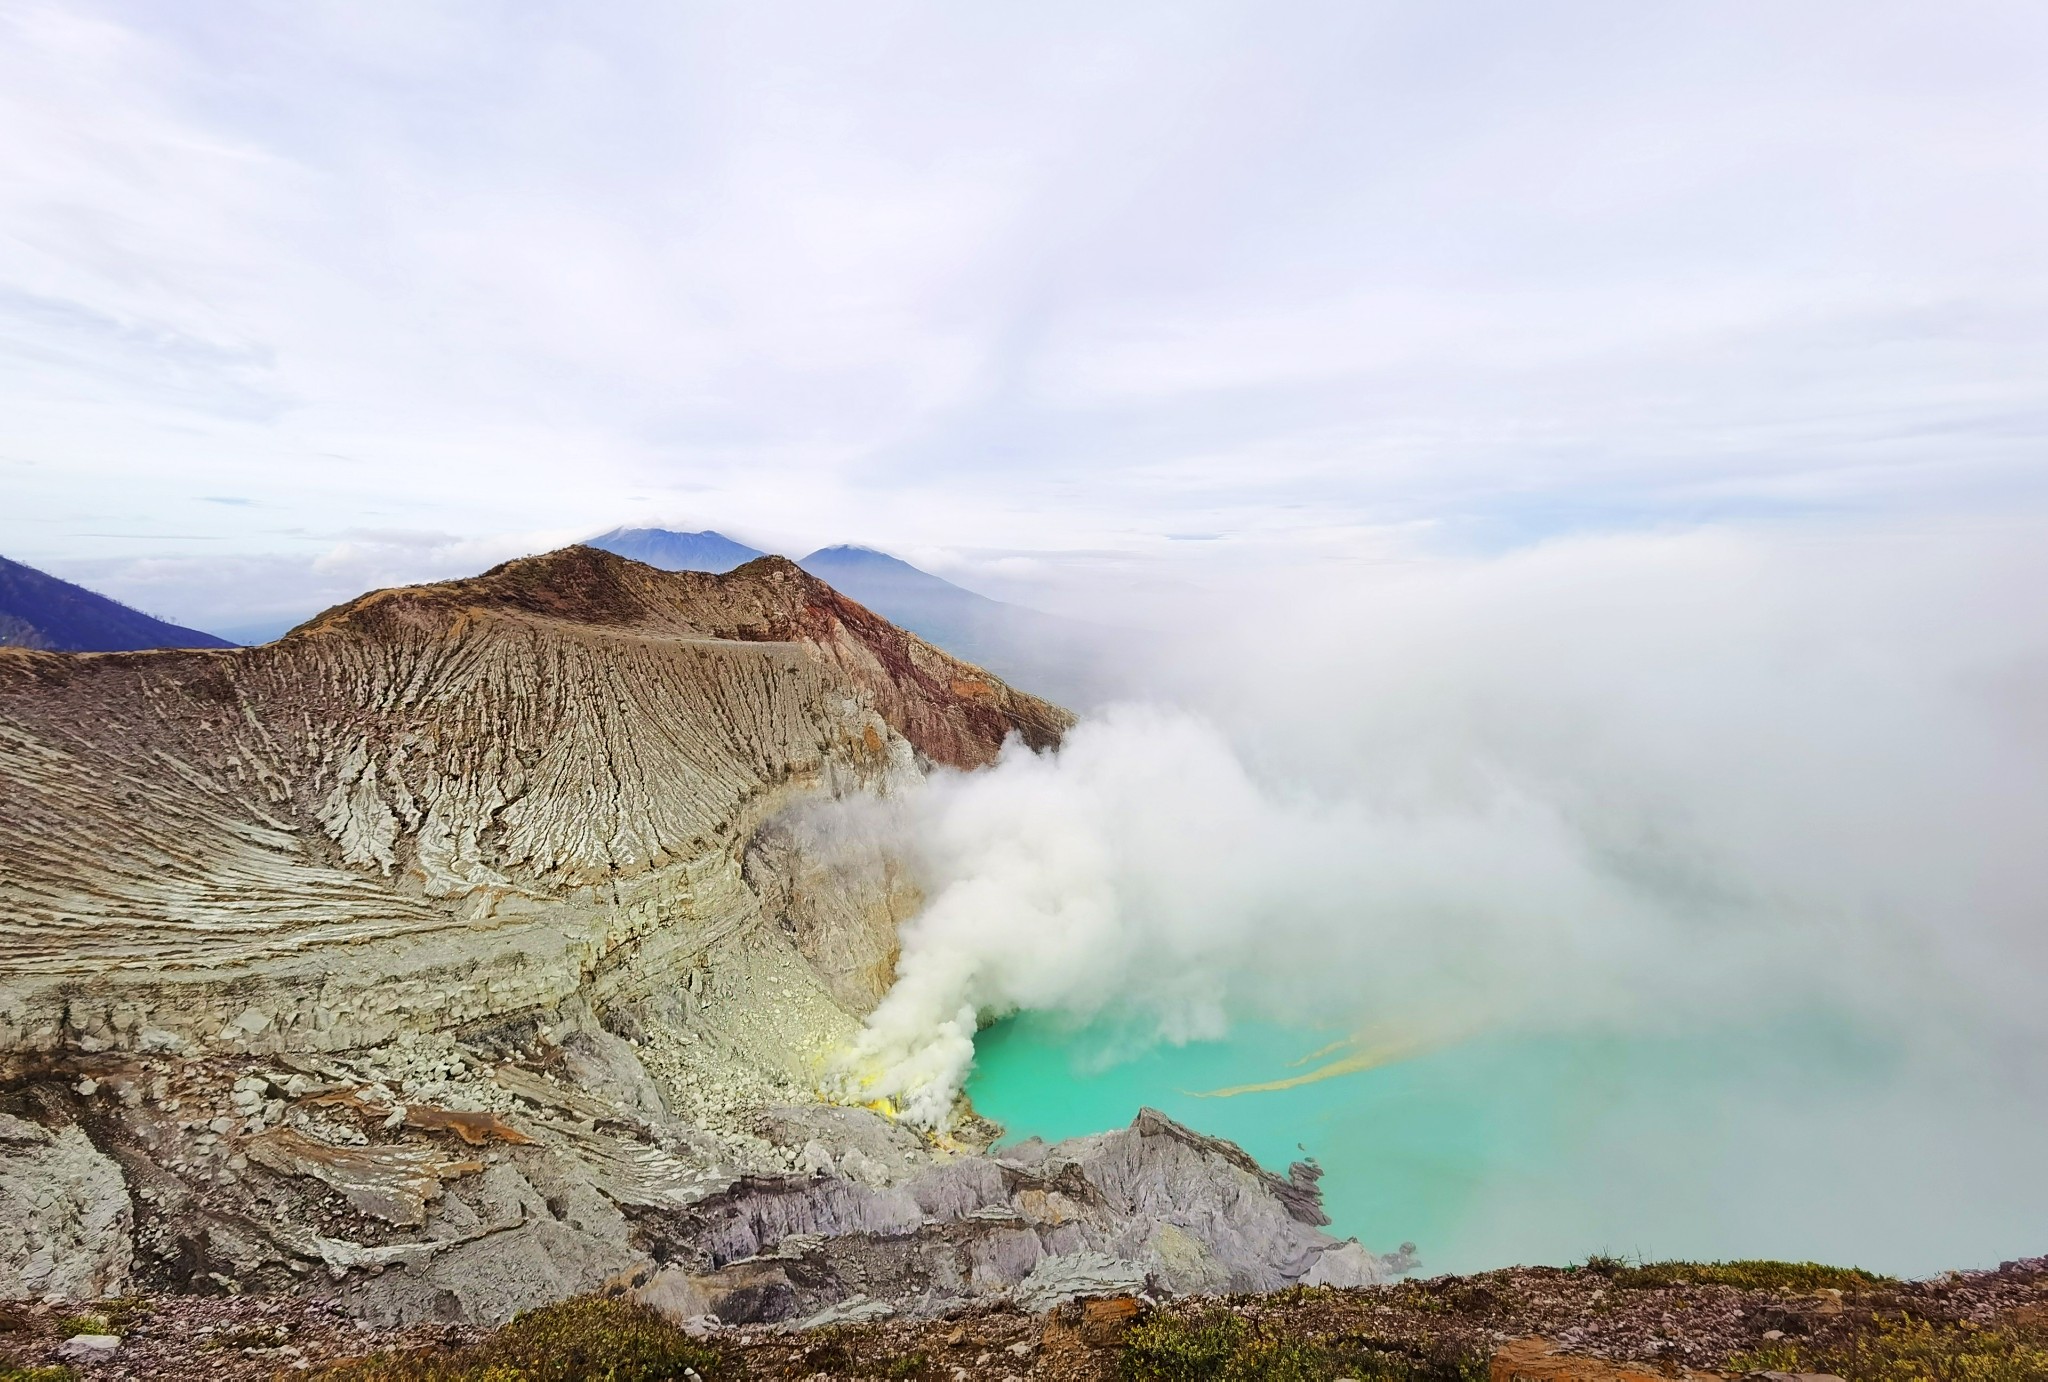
1639, 784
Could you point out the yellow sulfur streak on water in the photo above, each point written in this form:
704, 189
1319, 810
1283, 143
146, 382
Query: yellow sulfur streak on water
1361, 1058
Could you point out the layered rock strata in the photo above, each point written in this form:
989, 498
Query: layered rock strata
440, 804
477, 944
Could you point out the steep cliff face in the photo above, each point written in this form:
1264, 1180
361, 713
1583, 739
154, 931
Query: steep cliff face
474, 945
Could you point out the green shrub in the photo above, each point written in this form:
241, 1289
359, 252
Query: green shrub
591, 1339
1384, 1360
1166, 1348
1903, 1348
14, 1372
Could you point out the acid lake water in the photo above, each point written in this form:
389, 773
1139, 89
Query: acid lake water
1798, 1140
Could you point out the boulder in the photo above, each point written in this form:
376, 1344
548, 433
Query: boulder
1346, 1265
85, 1348
1056, 1280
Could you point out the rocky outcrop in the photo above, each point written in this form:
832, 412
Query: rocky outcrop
67, 1221
1154, 1207
466, 1180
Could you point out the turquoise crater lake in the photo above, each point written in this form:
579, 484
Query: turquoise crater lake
1800, 1139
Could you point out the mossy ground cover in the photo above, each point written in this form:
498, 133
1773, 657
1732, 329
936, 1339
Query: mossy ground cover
587, 1340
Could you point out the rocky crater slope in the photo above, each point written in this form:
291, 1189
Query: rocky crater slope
1604, 1321
479, 944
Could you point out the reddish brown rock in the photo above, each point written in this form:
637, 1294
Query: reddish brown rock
1537, 1360
1103, 1322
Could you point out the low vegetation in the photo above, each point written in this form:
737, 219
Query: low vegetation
838, 1357
1755, 1275
112, 1316
587, 1340
1223, 1347
1729, 1318
1903, 1348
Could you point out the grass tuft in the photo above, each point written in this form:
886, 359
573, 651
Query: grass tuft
1744, 1276
590, 1339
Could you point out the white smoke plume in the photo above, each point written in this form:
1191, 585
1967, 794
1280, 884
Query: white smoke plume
1625, 782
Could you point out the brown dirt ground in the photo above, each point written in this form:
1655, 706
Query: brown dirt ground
1672, 1328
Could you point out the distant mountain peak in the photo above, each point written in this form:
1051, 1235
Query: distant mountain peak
852, 561
856, 548
673, 551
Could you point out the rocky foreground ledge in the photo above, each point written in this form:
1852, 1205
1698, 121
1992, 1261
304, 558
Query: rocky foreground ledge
1601, 1322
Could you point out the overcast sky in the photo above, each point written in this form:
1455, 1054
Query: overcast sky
297, 297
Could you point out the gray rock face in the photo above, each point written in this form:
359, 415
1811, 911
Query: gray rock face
1056, 1280
1153, 1206
66, 1225
515, 1186
86, 1348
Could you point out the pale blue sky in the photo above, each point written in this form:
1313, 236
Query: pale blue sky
298, 297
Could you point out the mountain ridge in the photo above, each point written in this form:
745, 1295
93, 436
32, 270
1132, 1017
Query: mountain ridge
1015, 641
38, 610
671, 550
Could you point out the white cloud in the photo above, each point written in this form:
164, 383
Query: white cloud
1041, 281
